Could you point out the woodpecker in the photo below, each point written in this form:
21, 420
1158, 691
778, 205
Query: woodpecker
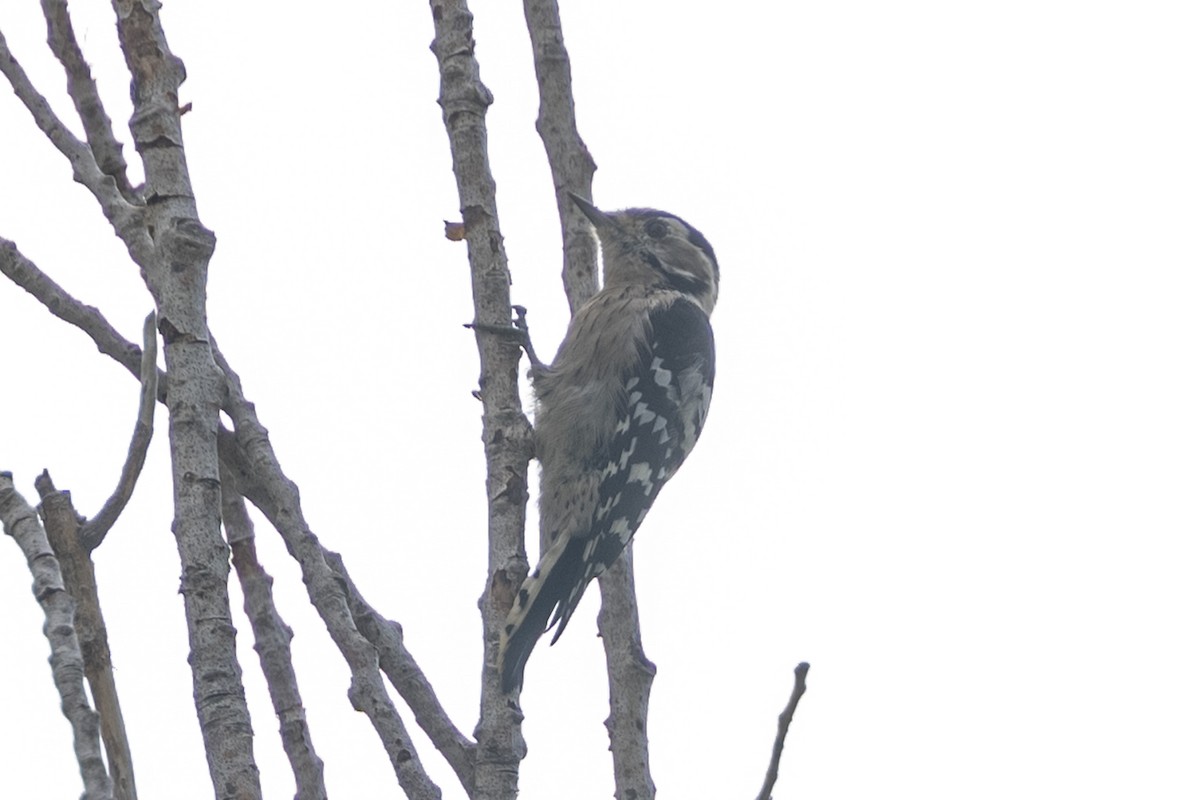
618, 410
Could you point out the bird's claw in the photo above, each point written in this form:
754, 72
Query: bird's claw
519, 331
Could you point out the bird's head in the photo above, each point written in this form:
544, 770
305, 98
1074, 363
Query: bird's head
646, 246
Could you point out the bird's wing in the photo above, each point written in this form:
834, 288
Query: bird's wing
667, 395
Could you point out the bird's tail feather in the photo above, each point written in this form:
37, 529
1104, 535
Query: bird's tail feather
555, 582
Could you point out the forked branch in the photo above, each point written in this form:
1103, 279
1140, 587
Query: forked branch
125, 217
83, 92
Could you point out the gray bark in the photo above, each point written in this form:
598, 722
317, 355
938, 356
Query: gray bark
95, 529
63, 530
20, 522
176, 273
248, 460
408, 679
507, 436
630, 675
84, 94
571, 165
252, 464
273, 643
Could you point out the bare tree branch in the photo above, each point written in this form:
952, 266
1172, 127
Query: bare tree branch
66, 659
507, 435
176, 273
273, 643
785, 721
83, 92
95, 529
126, 218
93, 632
220, 696
630, 674
408, 679
24, 273
571, 165
266, 489
62, 524
279, 499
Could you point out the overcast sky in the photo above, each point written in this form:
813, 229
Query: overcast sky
952, 458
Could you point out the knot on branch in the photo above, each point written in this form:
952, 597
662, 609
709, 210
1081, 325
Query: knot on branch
155, 123
186, 242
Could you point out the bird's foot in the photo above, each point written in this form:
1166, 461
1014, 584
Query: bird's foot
519, 331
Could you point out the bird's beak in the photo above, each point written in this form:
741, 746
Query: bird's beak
598, 217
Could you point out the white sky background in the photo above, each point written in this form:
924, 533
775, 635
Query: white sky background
952, 458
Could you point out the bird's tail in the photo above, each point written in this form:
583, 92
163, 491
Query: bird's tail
559, 580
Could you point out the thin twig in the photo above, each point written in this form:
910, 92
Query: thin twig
83, 92
507, 434
273, 643
94, 531
785, 720
63, 529
66, 659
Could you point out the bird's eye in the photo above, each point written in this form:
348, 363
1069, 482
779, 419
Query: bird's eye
656, 228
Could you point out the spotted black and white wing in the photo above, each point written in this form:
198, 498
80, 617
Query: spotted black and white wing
667, 395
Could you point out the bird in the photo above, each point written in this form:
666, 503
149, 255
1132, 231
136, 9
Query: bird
617, 411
